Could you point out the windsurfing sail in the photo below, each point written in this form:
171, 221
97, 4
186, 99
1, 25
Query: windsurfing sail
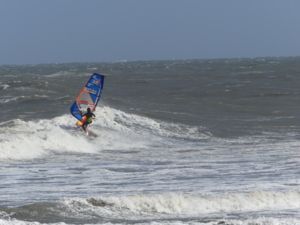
88, 96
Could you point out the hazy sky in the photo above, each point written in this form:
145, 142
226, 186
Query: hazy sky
46, 31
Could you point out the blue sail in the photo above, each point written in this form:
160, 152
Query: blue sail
88, 96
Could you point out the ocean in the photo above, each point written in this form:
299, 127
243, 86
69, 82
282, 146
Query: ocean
212, 142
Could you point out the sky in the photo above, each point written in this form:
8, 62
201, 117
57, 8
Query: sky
58, 31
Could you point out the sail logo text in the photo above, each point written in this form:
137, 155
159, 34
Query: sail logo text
91, 91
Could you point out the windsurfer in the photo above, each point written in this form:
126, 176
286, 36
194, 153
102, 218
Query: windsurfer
89, 116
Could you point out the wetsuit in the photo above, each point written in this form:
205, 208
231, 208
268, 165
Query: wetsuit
89, 119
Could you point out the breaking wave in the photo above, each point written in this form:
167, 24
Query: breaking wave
186, 204
171, 208
115, 129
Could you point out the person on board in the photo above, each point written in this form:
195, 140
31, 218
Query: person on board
89, 118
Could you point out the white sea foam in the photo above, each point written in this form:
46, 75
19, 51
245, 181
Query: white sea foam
115, 129
20, 222
140, 124
60, 73
259, 221
186, 208
174, 204
8, 99
4, 86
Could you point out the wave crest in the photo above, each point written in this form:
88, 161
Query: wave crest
116, 130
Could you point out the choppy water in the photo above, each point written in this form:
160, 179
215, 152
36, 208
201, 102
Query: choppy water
179, 142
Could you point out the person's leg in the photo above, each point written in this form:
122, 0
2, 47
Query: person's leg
84, 126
